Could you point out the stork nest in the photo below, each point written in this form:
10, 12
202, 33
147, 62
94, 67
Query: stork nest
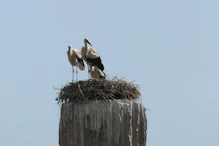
98, 90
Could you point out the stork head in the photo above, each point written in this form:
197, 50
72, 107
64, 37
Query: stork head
86, 41
69, 47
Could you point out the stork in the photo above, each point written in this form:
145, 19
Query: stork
75, 59
97, 73
91, 56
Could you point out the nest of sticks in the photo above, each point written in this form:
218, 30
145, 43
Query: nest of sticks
98, 90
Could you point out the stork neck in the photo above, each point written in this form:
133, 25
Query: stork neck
86, 49
69, 52
85, 45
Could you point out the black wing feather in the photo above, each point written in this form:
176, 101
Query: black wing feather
102, 77
96, 62
80, 60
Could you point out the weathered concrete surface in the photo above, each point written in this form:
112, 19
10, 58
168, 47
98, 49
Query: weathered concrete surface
103, 123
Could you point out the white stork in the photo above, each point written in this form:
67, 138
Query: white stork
91, 57
97, 73
75, 59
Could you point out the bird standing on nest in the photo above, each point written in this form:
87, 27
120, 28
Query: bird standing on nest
75, 59
91, 57
97, 73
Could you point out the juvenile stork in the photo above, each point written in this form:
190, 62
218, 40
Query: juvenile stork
91, 56
97, 73
75, 59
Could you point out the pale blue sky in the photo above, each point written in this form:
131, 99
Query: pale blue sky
168, 47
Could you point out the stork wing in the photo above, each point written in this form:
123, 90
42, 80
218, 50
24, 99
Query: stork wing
92, 54
102, 75
78, 54
97, 73
80, 59
96, 62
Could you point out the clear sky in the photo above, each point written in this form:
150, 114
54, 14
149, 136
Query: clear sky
168, 47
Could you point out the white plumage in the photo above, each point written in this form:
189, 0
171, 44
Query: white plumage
91, 56
75, 59
97, 73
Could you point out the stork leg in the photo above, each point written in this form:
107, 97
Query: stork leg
88, 71
72, 74
76, 73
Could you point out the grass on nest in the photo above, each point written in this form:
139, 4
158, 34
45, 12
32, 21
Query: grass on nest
98, 90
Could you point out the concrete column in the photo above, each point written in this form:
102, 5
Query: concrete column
103, 123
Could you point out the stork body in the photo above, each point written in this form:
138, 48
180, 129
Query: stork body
91, 56
75, 59
96, 73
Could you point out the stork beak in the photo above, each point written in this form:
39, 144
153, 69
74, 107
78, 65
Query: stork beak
89, 43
